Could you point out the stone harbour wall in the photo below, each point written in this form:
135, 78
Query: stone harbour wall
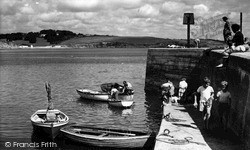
195, 64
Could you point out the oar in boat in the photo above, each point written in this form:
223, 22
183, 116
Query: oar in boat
98, 131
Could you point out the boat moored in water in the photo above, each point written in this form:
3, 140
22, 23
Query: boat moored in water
50, 121
102, 137
100, 95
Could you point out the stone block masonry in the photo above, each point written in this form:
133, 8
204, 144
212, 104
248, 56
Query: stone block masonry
195, 64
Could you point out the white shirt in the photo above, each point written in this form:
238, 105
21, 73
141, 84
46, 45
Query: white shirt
183, 85
205, 93
166, 85
129, 85
113, 90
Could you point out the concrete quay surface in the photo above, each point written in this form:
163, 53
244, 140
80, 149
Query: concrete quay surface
182, 129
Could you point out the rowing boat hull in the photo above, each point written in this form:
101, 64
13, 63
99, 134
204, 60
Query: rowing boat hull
106, 141
121, 103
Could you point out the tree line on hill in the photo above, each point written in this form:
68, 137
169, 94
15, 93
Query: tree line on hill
52, 36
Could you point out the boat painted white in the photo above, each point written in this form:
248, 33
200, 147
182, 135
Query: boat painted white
100, 95
121, 103
49, 122
105, 137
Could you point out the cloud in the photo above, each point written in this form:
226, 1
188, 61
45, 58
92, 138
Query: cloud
27, 10
147, 11
158, 18
78, 5
9, 7
50, 17
173, 7
200, 9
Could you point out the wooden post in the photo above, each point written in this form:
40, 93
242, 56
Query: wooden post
241, 21
188, 33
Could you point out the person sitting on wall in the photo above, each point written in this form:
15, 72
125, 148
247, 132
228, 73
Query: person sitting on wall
239, 44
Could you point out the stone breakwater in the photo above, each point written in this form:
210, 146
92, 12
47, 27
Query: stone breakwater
195, 64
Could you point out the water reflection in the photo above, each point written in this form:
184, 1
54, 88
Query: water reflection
121, 111
153, 105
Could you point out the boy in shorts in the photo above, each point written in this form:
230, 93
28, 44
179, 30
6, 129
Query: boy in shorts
206, 93
224, 98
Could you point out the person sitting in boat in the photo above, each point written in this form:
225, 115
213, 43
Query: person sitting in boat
118, 87
114, 93
127, 89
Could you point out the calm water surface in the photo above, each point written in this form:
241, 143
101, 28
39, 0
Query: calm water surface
23, 73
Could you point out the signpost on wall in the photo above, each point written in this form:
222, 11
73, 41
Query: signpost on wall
188, 19
241, 21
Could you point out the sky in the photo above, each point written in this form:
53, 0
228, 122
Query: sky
155, 18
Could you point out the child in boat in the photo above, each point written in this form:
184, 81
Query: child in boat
114, 93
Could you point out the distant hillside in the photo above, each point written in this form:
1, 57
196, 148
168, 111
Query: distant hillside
139, 42
50, 37
116, 42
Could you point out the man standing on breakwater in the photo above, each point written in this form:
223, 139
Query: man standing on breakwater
227, 32
206, 93
167, 90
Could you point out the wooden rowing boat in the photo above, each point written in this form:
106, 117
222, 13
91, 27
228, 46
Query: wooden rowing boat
49, 121
105, 137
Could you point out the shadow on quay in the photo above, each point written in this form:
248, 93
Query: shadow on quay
215, 136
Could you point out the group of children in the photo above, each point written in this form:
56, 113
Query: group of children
206, 93
203, 99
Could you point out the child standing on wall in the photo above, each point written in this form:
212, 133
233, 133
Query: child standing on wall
206, 93
224, 98
182, 88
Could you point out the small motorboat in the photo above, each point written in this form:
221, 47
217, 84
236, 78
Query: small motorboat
102, 137
121, 103
100, 95
49, 121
